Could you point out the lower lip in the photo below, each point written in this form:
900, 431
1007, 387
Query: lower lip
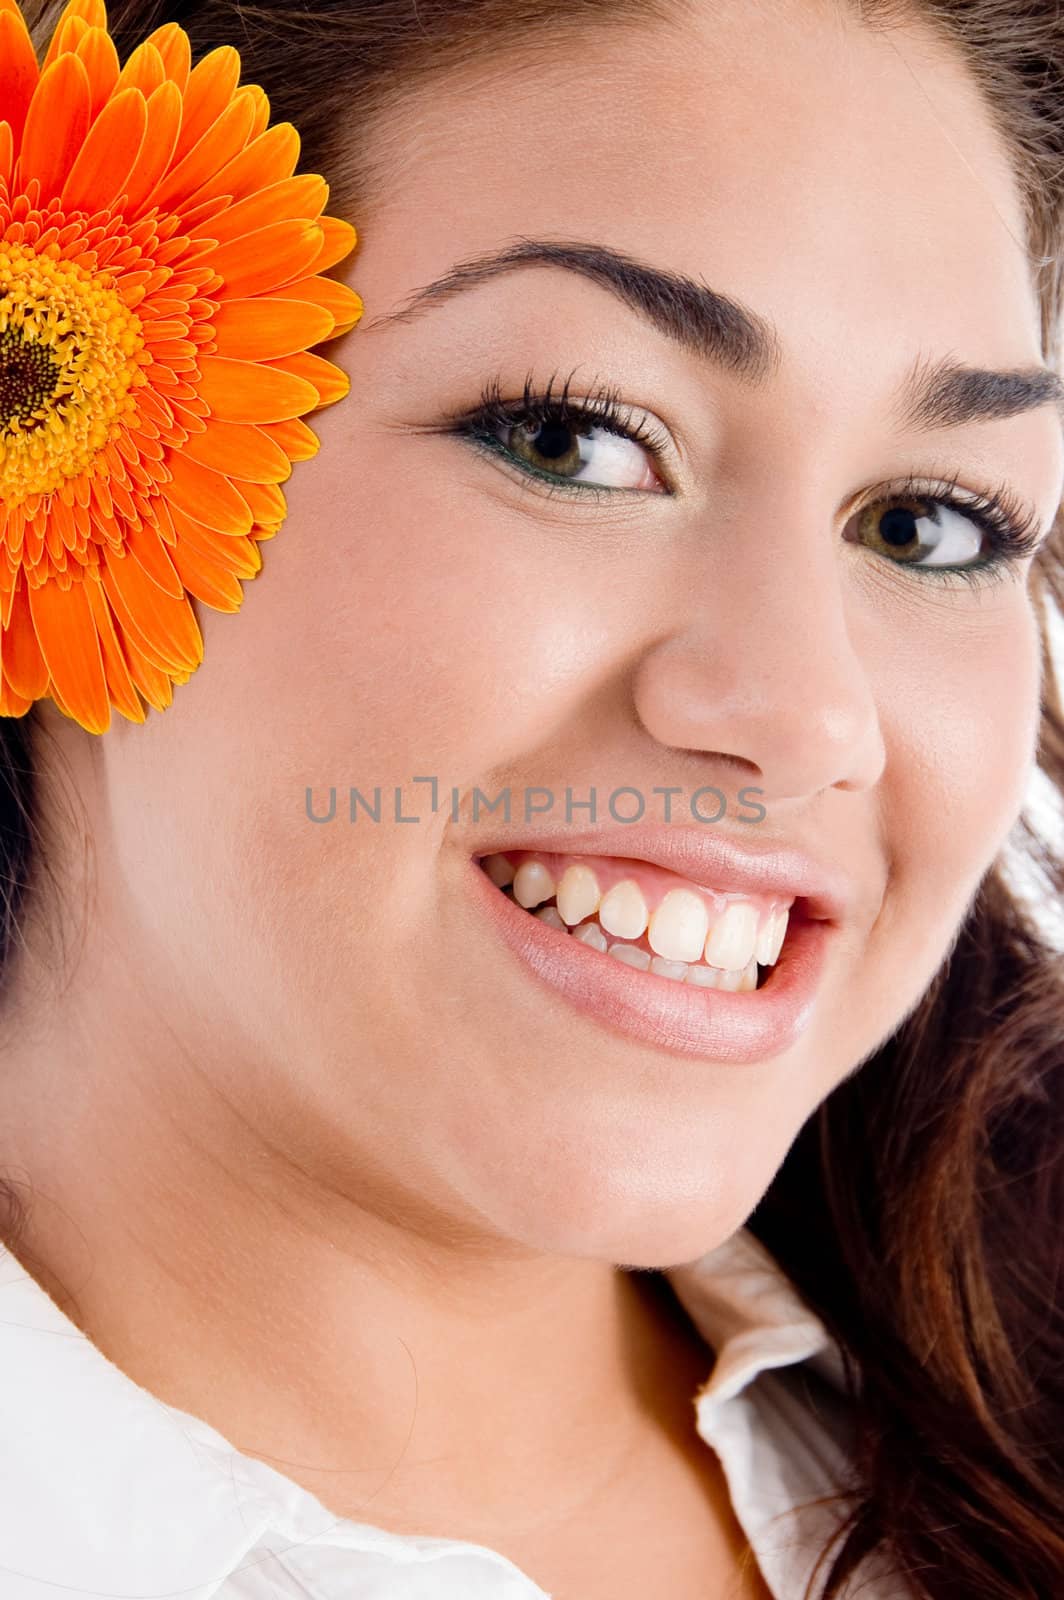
714, 1024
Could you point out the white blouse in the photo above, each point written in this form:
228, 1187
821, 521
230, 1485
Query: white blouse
108, 1492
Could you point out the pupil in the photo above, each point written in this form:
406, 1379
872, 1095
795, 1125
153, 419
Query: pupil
557, 437
897, 526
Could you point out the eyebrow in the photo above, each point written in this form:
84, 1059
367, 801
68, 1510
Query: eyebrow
935, 393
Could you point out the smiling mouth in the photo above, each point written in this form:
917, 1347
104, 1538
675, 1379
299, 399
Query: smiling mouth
665, 926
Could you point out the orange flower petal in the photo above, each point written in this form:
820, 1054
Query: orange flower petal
259, 261
163, 629
7, 150
12, 704
56, 125
119, 683
268, 159
344, 303
211, 85
242, 391
7, 597
262, 107
70, 645
209, 580
160, 140
240, 451
94, 12
266, 501
24, 666
145, 544
144, 71
175, 51
66, 35
302, 197
339, 240
100, 59
19, 72
85, 14
296, 439
239, 555
266, 329
331, 382
206, 495
225, 138
154, 684
108, 155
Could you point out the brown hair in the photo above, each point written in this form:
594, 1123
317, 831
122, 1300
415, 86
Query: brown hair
920, 1209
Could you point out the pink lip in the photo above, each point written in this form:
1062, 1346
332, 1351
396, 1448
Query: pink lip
709, 1023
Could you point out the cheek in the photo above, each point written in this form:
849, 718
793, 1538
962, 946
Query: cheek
963, 736
432, 632
390, 634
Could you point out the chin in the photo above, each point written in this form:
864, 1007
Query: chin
653, 1224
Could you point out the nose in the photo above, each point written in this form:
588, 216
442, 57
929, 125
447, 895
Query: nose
764, 670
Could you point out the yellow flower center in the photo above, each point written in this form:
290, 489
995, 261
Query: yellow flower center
70, 355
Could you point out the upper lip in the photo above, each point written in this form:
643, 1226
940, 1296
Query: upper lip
709, 860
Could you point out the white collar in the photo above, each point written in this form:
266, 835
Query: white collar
107, 1490
748, 1310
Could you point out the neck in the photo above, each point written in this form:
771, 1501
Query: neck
403, 1367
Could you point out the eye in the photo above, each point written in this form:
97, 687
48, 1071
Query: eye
596, 446
581, 453
919, 531
942, 532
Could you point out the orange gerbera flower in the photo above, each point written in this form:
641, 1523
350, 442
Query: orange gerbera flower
158, 298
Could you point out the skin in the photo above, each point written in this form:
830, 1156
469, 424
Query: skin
297, 1127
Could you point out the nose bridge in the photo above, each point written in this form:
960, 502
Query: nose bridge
763, 664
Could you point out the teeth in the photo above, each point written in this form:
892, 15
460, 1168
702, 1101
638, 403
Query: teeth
773, 933
669, 969
549, 915
631, 955
731, 940
679, 926
704, 977
765, 936
683, 947
532, 885
578, 893
623, 911
500, 869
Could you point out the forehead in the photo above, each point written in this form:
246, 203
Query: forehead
847, 184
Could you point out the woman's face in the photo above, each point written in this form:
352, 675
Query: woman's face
719, 617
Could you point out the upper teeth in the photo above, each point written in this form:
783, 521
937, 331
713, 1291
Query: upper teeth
578, 894
679, 927
532, 884
684, 926
734, 938
623, 911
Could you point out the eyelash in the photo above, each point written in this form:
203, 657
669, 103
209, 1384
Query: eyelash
1011, 528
